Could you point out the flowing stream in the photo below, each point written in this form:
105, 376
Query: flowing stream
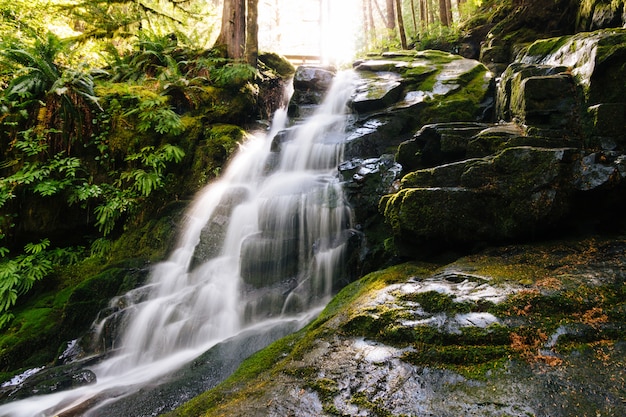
265, 243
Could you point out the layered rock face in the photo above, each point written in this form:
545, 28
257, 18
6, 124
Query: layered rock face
560, 142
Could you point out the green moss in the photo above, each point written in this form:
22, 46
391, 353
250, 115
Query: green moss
463, 355
376, 407
253, 366
277, 63
326, 388
436, 302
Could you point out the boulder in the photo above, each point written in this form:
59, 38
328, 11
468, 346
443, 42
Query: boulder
397, 95
518, 193
310, 83
216, 227
366, 181
377, 92
435, 144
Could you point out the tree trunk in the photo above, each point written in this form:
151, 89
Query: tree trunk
391, 16
380, 12
449, 11
233, 32
366, 25
413, 16
423, 14
401, 24
443, 13
252, 33
372, 25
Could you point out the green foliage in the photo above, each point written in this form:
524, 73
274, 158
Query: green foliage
154, 113
233, 74
19, 274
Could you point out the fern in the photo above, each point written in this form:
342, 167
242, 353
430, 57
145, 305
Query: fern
109, 212
18, 275
35, 248
234, 74
100, 247
142, 181
30, 145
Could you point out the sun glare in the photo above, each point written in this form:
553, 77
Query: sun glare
327, 29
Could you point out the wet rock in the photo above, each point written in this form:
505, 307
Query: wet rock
266, 261
310, 84
517, 193
594, 62
48, 381
376, 135
396, 97
377, 93
436, 144
466, 338
215, 229
597, 170
366, 181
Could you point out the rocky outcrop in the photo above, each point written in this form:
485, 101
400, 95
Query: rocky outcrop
396, 94
513, 331
562, 143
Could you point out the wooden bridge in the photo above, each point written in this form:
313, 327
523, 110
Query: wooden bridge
303, 59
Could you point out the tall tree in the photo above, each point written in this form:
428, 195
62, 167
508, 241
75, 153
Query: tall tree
401, 24
240, 30
413, 16
233, 32
443, 12
391, 19
252, 33
371, 35
424, 13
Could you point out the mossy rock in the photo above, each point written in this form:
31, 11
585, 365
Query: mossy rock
365, 342
277, 63
516, 193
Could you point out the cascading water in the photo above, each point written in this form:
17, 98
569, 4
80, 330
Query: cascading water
265, 241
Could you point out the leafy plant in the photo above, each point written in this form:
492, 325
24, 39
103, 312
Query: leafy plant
154, 113
150, 177
19, 274
61, 99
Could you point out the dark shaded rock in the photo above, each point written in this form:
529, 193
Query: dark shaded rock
435, 144
266, 261
511, 80
600, 14
518, 193
377, 135
48, 381
310, 84
595, 60
313, 78
547, 101
607, 124
213, 232
366, 181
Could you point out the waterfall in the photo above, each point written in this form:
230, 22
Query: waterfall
265, 242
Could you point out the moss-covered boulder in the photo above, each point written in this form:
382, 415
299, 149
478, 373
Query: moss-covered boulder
512, 331
519, 192
596, 62
398, 93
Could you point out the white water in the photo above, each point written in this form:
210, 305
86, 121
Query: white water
284, 234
